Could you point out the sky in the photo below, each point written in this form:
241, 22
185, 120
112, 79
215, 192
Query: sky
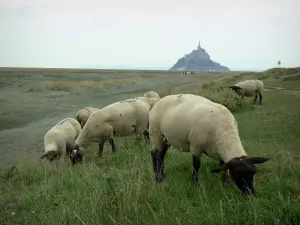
240, 34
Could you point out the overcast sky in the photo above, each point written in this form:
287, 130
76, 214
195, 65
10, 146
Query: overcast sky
240, 34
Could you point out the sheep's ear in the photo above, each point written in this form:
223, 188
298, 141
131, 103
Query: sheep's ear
258, 160
79, 152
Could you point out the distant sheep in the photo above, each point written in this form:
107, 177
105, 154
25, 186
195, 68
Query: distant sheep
151, 102
249, 88
118, 119
195, 124
151, 94
60, 138
82, 115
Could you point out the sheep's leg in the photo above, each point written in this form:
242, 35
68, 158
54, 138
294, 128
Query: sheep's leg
146, 135
154, 160
196, 166
138, 137
101, 146
112, 143
224, 176
68, 149
255, 98
260, 98
160, 161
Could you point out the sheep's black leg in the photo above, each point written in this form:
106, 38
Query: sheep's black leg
146, 135
101, 145
154, 161
68, 149
260, 97
196, 166
224, 177
160, 161
112, 143
255, 98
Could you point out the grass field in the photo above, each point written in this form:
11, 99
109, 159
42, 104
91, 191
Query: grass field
120, 188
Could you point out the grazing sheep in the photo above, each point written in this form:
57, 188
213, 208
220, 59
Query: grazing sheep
121, 118
249, 88
60, 138
151, 94
82, 115
195, 124
151, 102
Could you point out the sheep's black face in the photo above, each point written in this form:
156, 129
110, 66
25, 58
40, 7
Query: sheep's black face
242, 173
76, 155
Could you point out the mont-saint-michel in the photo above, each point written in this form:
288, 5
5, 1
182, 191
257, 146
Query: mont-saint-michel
198, 60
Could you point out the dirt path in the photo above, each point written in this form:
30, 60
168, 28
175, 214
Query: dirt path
290, 91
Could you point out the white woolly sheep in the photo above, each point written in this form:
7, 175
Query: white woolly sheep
151, 102
195, 124
82, 115
118, 119
60, 138
249, 88
151, 94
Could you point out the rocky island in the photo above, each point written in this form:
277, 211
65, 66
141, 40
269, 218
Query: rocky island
198, 60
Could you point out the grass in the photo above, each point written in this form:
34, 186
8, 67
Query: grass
120, 188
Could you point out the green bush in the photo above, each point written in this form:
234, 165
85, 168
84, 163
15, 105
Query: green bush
224, 96
208, 85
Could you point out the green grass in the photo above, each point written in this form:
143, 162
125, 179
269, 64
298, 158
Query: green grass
120, 188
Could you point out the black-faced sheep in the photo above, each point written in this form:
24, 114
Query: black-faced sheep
60, 138
82, 115
118, 119
195, 124
249, 88
151, 94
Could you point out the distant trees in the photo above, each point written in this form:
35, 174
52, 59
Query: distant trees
278, 63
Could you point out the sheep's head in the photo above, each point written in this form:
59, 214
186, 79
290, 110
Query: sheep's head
51, 155
242, 171
76, 155
237, 89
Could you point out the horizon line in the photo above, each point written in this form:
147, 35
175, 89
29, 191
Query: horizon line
146, 68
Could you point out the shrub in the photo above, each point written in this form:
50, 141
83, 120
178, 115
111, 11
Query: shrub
208, 85
226, 97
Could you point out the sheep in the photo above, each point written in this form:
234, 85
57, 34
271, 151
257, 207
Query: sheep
82, 115
121, 118
151, 94
151, 102
195, 124
249, 88
60, 138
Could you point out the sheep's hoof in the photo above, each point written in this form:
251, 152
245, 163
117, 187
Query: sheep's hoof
159, 180
194, 183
